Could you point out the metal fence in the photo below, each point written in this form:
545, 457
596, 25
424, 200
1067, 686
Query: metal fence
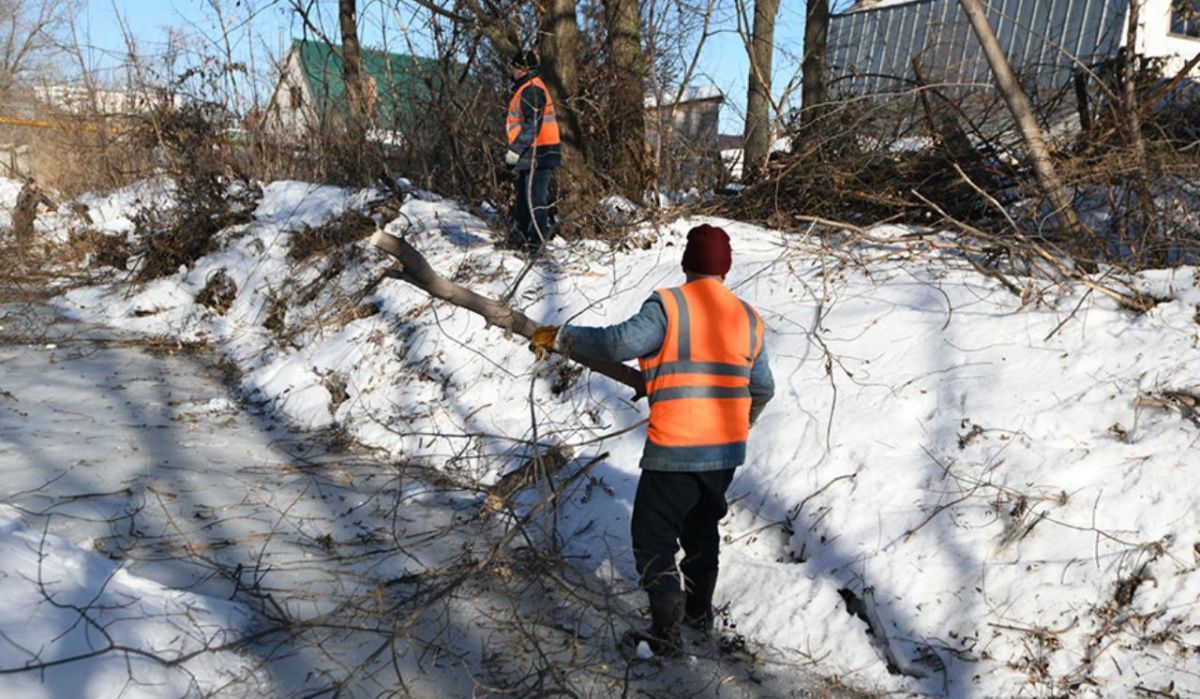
872, 51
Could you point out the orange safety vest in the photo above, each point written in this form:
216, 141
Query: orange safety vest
548, 134
698, 384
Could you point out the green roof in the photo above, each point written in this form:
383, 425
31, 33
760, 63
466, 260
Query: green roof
400, 80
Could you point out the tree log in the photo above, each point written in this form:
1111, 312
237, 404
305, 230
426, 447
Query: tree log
544, 465
416, 270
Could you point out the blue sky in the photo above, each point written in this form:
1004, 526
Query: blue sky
723, 61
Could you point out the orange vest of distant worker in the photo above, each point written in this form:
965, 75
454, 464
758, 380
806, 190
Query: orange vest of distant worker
547, 135
698, 384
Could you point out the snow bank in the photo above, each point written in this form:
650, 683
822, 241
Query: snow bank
114, 213
998, 475
291, 204
9, 189
60, 602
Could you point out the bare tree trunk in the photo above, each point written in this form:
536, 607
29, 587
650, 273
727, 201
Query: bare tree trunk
1052, 187
559, 49
1144, 215
756, 140
1079, 81
1129, 78
814, 92
628, 112
352, 72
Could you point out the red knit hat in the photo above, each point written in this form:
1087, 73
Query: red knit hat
707, 251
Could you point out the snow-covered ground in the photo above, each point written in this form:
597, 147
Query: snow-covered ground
1011, 485
732, 157
47, 581
142, 497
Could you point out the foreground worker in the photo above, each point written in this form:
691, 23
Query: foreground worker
534, 151
707, 379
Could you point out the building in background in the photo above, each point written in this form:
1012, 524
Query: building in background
93, 102
873, 47
310, 96
38, 121
682, 135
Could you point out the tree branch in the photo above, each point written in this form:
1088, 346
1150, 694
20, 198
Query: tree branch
416, 270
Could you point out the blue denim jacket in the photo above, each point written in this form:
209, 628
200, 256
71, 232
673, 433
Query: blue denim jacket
643, 336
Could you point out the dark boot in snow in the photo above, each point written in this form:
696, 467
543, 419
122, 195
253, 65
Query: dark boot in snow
513, 240
698, 610
666, 617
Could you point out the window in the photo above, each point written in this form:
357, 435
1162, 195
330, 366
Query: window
297, 96
1185, 18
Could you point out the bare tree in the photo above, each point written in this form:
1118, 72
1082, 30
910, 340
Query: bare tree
675, 35
558, 45
1014, 96
352, 71
627, 100
29, 32
488, 19
815, 89
757, 133
1145, 217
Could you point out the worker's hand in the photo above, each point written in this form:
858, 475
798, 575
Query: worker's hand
544, 341
511, 159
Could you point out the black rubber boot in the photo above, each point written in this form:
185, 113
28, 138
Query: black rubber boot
698, 610
666, 618
513, 240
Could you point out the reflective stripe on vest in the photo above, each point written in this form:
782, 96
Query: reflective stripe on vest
698, 384
548, 134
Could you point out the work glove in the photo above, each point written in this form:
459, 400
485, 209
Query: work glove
511, 159
544, 341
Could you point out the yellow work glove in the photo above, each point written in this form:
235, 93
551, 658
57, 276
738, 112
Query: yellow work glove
544, 341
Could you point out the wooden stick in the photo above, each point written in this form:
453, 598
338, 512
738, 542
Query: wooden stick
416, 270
1031, 133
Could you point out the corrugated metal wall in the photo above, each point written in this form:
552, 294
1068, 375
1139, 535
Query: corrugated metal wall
871, 51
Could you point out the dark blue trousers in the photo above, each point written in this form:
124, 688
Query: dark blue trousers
531, 210
673, 508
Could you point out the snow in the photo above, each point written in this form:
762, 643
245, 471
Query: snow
732, 157
162, 498
691, 93
292, 204
864, 5
114, 213
617, 204
987, 475
9, 189
47, 580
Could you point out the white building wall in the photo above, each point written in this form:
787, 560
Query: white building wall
284, 119
1155, 39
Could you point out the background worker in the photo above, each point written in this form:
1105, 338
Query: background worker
703, 358
534, 152
24, 214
